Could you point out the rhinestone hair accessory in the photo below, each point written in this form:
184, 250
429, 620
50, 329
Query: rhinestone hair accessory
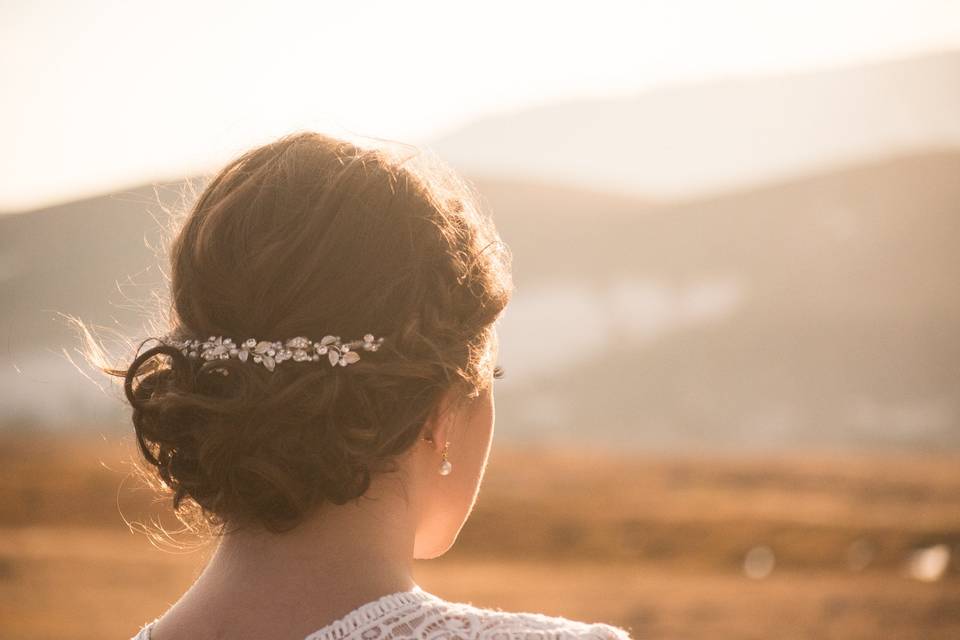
269, 353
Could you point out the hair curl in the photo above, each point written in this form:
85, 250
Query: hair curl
312, 235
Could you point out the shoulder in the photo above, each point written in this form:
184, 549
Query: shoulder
476, 623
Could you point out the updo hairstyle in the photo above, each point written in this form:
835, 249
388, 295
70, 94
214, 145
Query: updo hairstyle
308, 236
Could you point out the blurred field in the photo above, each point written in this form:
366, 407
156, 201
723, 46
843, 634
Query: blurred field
653, 543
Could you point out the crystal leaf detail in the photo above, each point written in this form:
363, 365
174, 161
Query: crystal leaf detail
298, 342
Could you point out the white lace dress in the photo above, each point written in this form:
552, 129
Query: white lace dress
420, 614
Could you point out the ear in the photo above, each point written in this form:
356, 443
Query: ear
438, 426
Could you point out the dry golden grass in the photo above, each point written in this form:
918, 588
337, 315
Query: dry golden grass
652, 543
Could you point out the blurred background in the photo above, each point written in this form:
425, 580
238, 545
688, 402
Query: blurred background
732, 396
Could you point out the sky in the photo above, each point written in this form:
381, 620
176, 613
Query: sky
99, 96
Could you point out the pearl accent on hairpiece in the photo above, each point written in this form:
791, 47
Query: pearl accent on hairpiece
267, 353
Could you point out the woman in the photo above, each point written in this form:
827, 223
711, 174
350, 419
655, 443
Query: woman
323, 397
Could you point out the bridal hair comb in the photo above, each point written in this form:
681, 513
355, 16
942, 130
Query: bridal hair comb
269, 353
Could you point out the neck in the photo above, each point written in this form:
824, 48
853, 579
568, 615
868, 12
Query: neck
341, 557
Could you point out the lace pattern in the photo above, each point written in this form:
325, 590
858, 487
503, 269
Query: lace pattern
420, 614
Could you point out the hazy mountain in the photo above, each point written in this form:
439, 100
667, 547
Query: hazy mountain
93, 258
701, 139
820, 311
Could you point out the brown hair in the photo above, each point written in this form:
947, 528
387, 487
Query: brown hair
311, 235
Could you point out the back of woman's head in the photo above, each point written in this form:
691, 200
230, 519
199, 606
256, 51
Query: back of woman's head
313, 236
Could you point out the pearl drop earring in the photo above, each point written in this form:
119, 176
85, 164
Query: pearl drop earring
445, 467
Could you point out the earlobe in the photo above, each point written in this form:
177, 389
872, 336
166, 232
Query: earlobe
437, 429
437, 438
